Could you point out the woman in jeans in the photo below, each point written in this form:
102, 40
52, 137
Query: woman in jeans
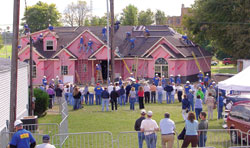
132, 98
86, 94
77, 96
210, 105
191, 126
141, 96
198, 106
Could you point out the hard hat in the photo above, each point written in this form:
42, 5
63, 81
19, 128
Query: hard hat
188, 82
18, 122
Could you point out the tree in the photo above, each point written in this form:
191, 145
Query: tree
40, 15
146, 17
160, 18
69, 14
224, 24
95, 21
81, 12
76, 14
129, 16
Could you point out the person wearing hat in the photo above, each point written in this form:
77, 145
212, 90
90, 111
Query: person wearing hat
167, 127
98, 92
163, 81
46, 143
128, 88
120, 81
22, 138
44, 81
200, 76
138, 122
149, 127
187, 87
206, 79
91, 94
105, 99
156, 79
178, 79
190, 98
171, 79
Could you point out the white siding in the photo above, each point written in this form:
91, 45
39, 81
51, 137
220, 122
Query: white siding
4, 98
22, 95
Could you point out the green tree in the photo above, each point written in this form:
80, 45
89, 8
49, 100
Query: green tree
95, 21
40, 15
160, 18
146, 17
87, 22
224, 24
129, 16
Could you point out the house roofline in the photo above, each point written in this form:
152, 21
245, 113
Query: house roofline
163, 48
190, 58
66, 50
34, 49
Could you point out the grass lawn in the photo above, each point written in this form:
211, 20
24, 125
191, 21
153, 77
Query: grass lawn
222, 68
91, 119
3, 51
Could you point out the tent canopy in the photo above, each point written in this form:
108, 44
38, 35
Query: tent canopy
239, 82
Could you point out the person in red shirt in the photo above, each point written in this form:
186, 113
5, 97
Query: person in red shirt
141, 96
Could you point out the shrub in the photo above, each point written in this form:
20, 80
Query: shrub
41, 103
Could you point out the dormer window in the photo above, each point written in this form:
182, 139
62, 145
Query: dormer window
49, 45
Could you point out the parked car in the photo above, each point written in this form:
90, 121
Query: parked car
214, 63
227, 61
239, 119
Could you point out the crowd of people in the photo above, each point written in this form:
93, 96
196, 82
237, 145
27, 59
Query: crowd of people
194, 133
193, 97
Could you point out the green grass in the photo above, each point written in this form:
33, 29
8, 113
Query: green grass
91, 119
222, 68
3, 51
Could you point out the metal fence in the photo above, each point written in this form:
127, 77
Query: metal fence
85, 140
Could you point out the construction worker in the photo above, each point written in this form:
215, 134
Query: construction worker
98, 92
120, 81
171, 79
200, 76
81, 44
44, 81
132, 41
22, 138
156, 80
178, 79
206, 79
104, 36
90, 43
187, 87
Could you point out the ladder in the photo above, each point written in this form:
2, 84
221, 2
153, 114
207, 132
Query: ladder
99, 78
197, 63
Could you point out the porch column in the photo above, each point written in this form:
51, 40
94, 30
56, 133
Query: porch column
93, 73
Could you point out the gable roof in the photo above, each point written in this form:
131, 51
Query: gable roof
143, 45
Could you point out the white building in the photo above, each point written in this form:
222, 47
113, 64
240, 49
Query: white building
242, 64
22, 91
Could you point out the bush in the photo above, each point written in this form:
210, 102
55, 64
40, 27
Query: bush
41, 103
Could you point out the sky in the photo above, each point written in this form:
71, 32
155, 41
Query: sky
170, 7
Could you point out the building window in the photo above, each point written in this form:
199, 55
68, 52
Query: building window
33, 67
64, 70
161, 67
49, 45
84, 67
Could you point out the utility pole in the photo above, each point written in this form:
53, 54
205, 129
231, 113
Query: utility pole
31, 76
108, 41
112, 42
14, 65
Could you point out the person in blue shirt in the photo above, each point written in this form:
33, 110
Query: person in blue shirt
120, 81
51, 28
105, 99
104, 35
81, 44
44, 81
190, 98
220, 105
156, 80
22, 138
171, 79
178, 79
206, 79
187, 87
136, 86
163, 81
132, 41
90, 43
185, 107
98, 91
200, 76
122, 95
